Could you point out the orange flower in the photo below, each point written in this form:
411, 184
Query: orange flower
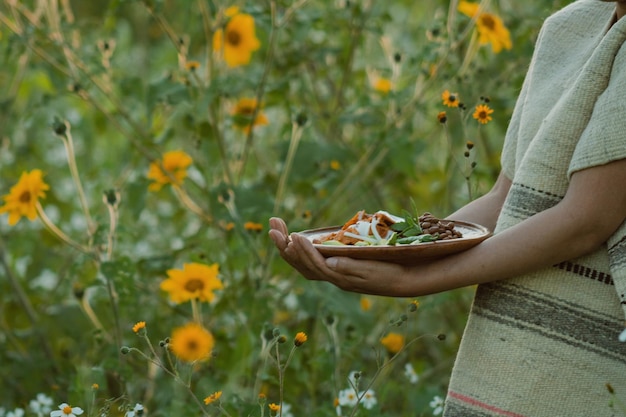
138, 326
244, 111
382, 85
489, 26
213, 397
175, 163
300, 339
194, 281
253, 227
393, 342
238, 40
450, 99
192, 342
482, 114
24, 196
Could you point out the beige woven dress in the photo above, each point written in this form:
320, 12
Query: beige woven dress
546, 344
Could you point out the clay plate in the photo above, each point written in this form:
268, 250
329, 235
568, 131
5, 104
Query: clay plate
473, 234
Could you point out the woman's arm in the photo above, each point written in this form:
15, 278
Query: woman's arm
591, 211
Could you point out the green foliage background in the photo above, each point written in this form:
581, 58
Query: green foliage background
312, 75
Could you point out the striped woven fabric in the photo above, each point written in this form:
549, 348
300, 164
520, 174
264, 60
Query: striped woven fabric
546, 344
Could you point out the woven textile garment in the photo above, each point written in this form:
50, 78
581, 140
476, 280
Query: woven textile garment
546, 344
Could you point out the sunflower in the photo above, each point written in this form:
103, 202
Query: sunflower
450, 99
244, 111
393, 342
175, 163
490, 27
194, 281
238, 40
482, 114
23, 197
192, 342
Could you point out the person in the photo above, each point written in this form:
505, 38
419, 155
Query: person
542, 338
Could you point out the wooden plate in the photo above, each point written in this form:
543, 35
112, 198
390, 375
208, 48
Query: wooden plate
473, 234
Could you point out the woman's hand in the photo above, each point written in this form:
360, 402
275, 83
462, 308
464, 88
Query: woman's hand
361, 276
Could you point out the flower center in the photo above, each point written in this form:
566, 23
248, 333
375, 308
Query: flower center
233, 37
246, 110
67, 410
482, 115
194, 284
25, 197
488, 21
192, 345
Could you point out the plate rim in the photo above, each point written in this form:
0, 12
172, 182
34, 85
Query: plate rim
485, 232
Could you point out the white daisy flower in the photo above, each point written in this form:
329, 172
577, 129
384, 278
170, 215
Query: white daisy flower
65, 410
368, 399
18, 412
41, 405
348, 397
437, 405
410, 373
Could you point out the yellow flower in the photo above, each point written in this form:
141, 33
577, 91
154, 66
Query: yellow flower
300, 339
213, 397
382, 85
192, 65
335, 165
138, 326
482, 114
243, 113
366, 304
175, 164
253, 227
274, 407
238, 40
23, 197
442, 117
393, 342
192, 342
490, 27
450, 99
194, 281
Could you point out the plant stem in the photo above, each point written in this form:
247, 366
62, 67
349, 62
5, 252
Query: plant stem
296, 134
71, 160
58, 232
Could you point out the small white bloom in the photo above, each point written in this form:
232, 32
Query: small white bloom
136, 411
41, 405
622, 336
348, 397
65, 410
368, 399
18, 412
437, 405
286, 410
410, 373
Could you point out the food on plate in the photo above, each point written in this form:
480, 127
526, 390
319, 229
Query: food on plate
382, 228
